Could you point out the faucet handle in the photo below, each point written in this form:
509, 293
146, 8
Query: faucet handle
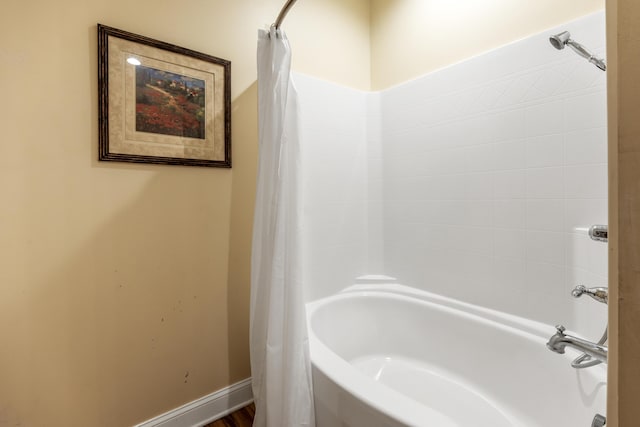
599, 233
560, 329
598, 294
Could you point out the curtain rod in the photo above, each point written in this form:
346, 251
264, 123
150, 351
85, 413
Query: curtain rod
288, 5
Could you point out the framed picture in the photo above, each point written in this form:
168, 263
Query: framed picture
160, 103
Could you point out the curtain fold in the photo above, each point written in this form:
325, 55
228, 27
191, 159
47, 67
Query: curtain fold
280, 363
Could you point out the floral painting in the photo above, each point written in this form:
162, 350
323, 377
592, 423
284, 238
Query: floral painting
169, 104
160, 103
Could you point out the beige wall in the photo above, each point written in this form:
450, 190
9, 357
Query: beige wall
124, 288
412, 37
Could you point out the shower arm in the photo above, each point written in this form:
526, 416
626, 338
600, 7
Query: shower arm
283, 13
581, 50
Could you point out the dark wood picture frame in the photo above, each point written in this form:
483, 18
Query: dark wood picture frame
160, 103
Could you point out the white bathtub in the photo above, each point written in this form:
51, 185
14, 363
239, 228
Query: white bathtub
389, 355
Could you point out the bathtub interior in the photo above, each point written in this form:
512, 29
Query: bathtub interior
442, 355
434, 388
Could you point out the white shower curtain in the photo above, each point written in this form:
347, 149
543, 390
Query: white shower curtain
280, 365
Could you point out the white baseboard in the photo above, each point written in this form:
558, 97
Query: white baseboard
206, 409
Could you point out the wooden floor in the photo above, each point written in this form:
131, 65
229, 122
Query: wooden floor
243, 417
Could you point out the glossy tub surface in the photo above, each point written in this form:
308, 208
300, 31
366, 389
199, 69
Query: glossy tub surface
390, 355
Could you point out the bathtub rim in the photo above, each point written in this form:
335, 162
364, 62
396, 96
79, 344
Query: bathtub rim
394, 404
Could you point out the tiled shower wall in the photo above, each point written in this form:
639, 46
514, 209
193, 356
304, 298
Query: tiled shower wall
493, 169
333, 129
477, 181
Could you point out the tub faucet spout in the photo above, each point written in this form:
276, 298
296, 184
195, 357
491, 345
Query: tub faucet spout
560, 340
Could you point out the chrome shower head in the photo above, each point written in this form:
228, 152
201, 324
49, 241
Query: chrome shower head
559, 41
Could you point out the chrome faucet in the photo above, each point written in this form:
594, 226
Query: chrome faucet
560, 340
592, 353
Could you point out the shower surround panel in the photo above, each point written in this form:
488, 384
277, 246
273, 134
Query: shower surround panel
477, 181
333, 128
493, 170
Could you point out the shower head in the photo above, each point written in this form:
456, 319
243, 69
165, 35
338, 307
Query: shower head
559, 41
